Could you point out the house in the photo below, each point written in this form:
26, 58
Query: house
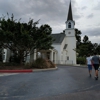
64, 46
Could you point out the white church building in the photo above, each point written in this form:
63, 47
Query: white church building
64, 45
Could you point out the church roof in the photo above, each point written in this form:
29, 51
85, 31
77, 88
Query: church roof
58, 37
70, 16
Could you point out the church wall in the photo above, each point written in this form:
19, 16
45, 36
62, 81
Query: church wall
71, 48
63, 52
58, 48
71, 41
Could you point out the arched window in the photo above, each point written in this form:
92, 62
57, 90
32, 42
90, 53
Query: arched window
69, 25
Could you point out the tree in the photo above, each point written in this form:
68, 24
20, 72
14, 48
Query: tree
85, 49
44, 38
96, 48
85, 39
78, 37
15, 37
22, 38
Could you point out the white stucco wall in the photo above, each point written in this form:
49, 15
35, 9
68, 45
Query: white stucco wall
58, 48
63, 52
71, 41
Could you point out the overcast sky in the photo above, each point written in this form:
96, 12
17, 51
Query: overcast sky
86, 14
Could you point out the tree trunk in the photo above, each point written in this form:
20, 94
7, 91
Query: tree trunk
21, 57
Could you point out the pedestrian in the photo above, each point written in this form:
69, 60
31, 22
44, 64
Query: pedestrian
95, 61
89, 64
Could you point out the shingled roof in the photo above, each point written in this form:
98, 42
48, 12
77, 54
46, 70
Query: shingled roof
58, 37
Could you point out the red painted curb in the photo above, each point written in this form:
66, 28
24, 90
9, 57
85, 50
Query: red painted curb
16, 71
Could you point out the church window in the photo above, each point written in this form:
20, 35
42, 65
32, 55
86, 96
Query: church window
67, 57
69, 32
69, 25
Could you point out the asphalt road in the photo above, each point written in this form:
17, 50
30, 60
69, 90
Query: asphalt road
65, 83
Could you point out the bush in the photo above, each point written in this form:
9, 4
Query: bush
15, 59
81, 60
28, 66
39, 63
0, 57
8, 65
42, 63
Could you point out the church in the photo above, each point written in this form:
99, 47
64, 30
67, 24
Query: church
65, 43
64, 46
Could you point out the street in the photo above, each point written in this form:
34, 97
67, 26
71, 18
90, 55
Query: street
65, 82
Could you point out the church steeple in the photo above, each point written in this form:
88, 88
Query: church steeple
70, 16
70, 22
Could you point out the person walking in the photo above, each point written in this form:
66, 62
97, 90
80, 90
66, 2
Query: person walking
89, 64
95, 61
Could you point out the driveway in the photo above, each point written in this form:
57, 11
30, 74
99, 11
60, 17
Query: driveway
65, 83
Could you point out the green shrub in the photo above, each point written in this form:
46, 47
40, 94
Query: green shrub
14, 58
8, 64
81, 60
42, 63
28, 66
0, 57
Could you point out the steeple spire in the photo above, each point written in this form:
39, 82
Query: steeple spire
70, 16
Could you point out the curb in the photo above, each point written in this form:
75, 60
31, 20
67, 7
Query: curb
26, 70
48, 69
80, 66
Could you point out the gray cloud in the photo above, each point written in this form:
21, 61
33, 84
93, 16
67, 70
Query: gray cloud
46, 10
97, 7
76, 16
92, 31
90, 15
84, 8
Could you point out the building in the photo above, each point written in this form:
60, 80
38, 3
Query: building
65, 43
